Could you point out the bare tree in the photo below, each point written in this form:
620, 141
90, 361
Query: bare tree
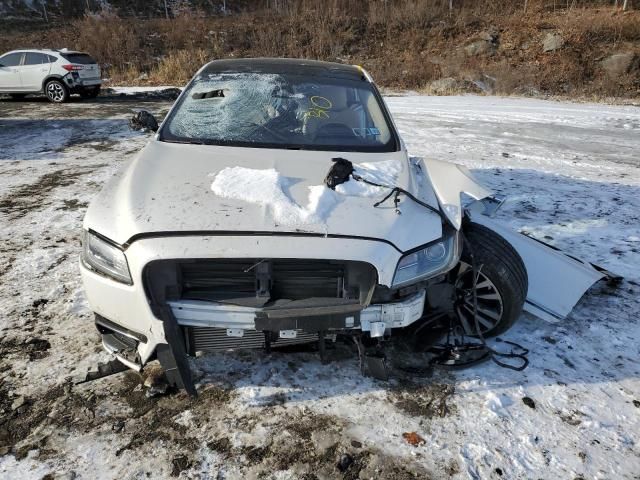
626, 4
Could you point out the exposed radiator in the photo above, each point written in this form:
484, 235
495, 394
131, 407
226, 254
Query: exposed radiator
216, 339
224, 279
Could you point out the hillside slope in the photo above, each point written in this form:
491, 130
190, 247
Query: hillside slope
590, 49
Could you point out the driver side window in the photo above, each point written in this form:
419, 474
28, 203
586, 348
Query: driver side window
11, 60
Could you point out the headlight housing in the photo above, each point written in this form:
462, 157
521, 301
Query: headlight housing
103, 257
427, 262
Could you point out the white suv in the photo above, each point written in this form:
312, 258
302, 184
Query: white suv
57, 73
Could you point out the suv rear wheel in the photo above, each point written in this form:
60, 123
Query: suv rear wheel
56, 91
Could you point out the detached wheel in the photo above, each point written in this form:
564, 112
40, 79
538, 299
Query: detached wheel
56, 91
90, 92
501, 285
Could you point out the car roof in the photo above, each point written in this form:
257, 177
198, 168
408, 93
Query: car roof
41, 50
285, 65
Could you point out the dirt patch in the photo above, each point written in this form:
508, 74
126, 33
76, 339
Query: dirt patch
101, 144
22, 416
221, 445
6, 267
158, 414
30, 422
10, 250
30, 197
73, 204
34, 348
573, 418
315, 446
179, 463
427, 401
58, 262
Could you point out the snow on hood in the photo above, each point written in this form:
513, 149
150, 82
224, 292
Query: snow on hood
385, 172
173, 187
267, 188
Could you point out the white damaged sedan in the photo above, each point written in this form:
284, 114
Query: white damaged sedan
277, 204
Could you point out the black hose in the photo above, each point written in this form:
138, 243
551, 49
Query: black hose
396, 191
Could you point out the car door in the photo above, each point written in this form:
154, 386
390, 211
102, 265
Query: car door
10, 73
34, 70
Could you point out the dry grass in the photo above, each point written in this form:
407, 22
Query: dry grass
403, 43
180, 66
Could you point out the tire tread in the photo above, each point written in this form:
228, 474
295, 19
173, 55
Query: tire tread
490, 248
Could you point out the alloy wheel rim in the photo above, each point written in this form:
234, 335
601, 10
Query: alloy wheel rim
490, 306
55, 92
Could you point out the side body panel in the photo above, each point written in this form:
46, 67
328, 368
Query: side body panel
556, 280
10, 74
32, 75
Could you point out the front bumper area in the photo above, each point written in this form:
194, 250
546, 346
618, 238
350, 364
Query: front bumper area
160, 325
194, 313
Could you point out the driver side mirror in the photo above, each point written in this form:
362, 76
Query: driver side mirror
144, 121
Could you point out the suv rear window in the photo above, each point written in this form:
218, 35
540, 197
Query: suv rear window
80, 58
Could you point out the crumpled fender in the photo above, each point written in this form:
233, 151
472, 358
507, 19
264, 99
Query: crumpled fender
449, 181
557, 280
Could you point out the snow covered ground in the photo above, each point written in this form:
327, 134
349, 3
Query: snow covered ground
572, 174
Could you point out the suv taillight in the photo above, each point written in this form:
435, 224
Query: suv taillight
71, 68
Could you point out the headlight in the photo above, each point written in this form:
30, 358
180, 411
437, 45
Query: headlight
101, 256
425, 263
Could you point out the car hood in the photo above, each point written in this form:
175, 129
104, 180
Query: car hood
168, 188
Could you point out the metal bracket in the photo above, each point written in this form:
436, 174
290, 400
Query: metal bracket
263, 280
173, 355
103, 370
371, 364
288, 333
492, 204
375, 365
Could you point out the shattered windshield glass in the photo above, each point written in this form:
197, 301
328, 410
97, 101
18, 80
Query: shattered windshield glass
280, 111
